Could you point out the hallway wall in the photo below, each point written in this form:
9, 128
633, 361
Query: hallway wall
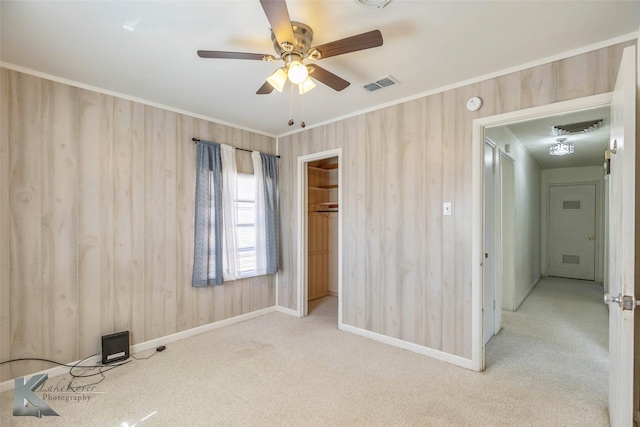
527, 246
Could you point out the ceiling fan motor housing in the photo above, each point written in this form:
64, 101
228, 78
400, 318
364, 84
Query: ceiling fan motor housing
303, 37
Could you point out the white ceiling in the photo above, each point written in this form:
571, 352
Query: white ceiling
536, 136
427, 45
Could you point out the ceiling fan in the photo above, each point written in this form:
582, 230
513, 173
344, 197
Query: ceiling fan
292, 43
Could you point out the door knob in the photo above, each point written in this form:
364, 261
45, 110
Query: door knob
590, 237
608, 299
625, 302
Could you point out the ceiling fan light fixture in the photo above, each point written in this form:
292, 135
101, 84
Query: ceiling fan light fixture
278, 79
297, 72
306, 86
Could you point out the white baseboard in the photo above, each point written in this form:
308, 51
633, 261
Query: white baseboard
154, 343
416, 348
287, 311
526, 294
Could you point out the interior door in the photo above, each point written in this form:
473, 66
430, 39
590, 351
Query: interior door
621, 243
489, 264
572, 231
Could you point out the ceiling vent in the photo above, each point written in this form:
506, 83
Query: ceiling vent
380, 84
581, 127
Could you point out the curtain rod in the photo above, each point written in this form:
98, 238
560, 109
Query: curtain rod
237, 148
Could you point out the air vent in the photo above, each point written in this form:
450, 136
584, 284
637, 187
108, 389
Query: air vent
581, 127
380, 84
571, 259
570, 204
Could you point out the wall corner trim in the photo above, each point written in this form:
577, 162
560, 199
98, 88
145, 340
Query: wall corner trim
528, 291
287, 311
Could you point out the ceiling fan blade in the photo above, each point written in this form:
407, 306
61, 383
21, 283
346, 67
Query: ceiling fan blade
328, 78
351, 44
278, 16
230, 55
265, 89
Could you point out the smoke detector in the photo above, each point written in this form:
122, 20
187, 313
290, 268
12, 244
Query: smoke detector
373, 4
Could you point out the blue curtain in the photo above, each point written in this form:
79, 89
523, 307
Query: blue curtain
270, 172
207, 254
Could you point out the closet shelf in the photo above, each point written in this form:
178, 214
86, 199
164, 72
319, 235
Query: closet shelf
324, 187
325, 168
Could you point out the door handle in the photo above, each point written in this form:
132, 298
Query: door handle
625, 302
608, 299
591, 237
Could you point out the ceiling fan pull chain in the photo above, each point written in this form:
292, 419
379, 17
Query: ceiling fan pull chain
291, 107
302, 125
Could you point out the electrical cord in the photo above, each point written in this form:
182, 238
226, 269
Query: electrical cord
158, 350
144, 358
45, 360
75, 365
102, 368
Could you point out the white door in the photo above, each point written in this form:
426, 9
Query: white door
489, 270
572, 231
621, 243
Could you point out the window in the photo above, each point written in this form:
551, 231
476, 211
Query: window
236, 231
245, 204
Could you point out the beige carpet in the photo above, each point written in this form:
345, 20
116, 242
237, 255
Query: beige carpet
278, 370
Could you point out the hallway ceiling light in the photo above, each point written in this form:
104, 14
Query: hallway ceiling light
561, 148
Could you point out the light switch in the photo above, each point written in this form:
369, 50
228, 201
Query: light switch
446, 209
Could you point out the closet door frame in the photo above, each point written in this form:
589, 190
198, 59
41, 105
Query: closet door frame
303, 236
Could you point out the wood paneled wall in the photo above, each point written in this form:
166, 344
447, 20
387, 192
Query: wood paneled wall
406, 268
96, 223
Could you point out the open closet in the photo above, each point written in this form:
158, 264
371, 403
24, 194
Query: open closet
322, 196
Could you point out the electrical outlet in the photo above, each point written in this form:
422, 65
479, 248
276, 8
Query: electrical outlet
446, 208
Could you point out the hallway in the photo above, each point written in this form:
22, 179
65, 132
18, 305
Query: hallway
557, 339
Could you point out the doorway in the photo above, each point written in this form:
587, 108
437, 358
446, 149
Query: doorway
320, 230
522, 290
552, 298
